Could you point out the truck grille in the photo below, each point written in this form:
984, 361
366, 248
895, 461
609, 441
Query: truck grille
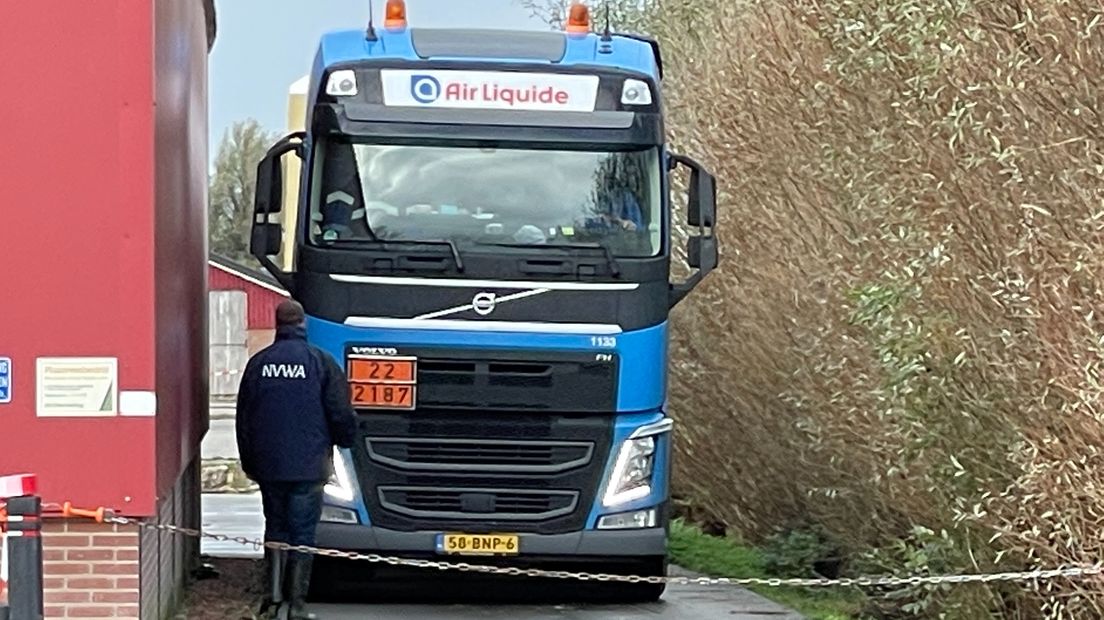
480, 380
428, 470
479, 455
477, 503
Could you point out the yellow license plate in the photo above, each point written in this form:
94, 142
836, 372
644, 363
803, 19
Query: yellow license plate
479, 544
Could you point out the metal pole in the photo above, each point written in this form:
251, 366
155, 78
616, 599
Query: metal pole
25, 555
4, 615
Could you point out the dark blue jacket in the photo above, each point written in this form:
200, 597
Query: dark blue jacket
293, 407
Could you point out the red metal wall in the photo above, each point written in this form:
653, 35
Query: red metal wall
260, 302
76, 236
180, 216
103, 237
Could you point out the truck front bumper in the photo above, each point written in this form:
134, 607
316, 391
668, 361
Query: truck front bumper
607, 545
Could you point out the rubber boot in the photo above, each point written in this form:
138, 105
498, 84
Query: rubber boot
299, 576
272, 583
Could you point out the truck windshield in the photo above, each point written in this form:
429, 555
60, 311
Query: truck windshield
487, 197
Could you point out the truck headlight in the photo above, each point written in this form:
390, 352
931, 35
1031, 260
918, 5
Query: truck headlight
340, 485
631, 478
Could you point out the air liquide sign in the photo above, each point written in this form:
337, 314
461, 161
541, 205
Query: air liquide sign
490, 90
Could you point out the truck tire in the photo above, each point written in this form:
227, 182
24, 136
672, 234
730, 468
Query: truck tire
645, 592
639, 592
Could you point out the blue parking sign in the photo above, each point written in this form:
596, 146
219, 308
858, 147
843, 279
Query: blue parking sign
5, 380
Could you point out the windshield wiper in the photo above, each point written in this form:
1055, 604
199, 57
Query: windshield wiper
614, 268
447, 242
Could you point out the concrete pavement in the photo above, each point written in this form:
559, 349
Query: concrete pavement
233, 515
240, 515
221, 441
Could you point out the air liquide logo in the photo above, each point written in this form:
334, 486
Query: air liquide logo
499, 90
425, 88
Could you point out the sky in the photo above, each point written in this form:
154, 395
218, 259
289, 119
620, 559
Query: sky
265, 45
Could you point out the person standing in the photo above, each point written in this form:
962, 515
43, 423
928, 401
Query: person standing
293, 407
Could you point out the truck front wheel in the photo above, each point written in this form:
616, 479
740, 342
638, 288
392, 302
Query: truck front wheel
639, 592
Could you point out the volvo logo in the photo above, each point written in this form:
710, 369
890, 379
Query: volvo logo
484, 303
374, 351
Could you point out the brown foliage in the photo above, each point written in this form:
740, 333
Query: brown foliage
903, 344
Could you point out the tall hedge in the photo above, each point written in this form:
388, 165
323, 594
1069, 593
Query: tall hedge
903, 347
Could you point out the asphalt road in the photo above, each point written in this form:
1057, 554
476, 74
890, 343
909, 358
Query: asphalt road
680, 603
437, 597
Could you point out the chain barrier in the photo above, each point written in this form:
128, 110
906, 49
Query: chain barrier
1081, 571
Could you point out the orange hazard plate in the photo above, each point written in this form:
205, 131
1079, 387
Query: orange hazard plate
382, 382
382, 369
381, 395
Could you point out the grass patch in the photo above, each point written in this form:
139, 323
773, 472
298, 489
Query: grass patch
699, 552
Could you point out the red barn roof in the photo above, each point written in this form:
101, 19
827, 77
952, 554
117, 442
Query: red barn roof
262, 291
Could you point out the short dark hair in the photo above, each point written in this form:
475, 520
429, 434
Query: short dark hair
289, 312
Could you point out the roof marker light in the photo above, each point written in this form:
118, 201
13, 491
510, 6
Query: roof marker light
395, 15
342, 83
636, 92
578, 19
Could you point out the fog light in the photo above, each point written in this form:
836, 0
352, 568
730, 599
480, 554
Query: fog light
332, 514
628, 520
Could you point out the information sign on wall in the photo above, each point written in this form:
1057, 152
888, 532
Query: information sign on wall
77, 386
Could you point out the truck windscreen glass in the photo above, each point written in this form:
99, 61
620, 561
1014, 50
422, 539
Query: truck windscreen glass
483, 197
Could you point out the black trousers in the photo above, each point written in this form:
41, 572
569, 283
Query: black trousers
292, 511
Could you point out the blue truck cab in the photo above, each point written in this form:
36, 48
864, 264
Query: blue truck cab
483, 241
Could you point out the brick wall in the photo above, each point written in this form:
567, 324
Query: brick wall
91, 570
166, 558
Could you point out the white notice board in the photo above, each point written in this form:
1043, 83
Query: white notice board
77, 386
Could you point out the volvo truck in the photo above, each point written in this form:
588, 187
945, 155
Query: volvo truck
483, 237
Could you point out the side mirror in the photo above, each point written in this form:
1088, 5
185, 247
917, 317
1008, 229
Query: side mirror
701, 212
702, 253
269, 195
266, 237
701, 209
